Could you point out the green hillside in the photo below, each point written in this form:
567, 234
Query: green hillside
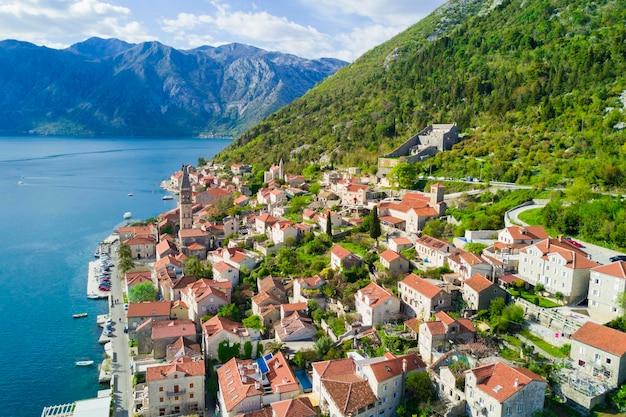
534, 86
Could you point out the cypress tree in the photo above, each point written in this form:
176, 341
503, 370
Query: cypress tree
375, 225
329, 224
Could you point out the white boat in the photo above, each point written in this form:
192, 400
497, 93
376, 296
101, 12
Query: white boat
128, 215
84, 363
20, 183
130, 194
167, 197
93, 296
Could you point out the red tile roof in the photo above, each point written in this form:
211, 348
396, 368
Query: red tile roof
478, 283
329, 369
432, 242
222, 267
390, 368
575, 258
498, 380
340, 252
390, 255
422, 286
149, 309
173, 328
217, 323
602, 337
185, 365
280, 376
373, 295
237, 384
349, 395
614, 269
296, 407
527, 232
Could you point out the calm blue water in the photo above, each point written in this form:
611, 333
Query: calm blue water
74, 194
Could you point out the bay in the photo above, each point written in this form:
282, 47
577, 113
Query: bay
59, 197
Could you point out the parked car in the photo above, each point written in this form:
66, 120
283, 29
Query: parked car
617, 258
574, 243
125, 306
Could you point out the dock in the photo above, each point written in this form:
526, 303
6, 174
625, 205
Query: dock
93, 281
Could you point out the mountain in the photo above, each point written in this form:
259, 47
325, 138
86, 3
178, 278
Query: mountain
537, 87
110, 87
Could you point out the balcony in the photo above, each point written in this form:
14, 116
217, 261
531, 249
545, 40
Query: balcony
175, 393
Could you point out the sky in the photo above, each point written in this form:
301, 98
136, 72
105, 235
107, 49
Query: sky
342, 29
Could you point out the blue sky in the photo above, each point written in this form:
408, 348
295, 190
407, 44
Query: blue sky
342, 29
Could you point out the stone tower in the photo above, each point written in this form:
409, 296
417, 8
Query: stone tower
184, 201
437, 193
281, 170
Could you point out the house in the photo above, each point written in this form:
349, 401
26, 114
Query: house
154, 336
363, 387
434, 252
467, 264
226, 272
421, 297
499, 389
478, 292
183, 348
341, 258
141, 247
234, 256
295, 327
247, 385
171, 287
190, 236
414, 210
211, 196
559, 266
164, 248
137, 277
398, 244
263, 222
606, 282
274, 286
217, 329
179, 311
335, 219
375, 304
600, 352
267, 306
237, 169
206, 296
140, 312
128, 232
283, 230
305, 289
394, 262
522, 235
277, 196
176, 388
295, 407
438, 336
241, 201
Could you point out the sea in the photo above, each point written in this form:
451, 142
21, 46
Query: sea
59, 197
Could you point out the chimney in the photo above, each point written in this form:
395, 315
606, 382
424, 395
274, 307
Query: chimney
560, 238
404, 365
516, 383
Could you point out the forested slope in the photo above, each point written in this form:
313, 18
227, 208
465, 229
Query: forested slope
534, 85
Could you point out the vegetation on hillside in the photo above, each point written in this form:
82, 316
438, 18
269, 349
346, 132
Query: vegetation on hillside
533, 84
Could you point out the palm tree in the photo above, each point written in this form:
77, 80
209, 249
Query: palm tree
274, 347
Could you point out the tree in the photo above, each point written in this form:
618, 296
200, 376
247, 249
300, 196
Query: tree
329, 224
419, 385
496, 306
197, 268
124, 251
475, 247
142, 292
315, 188
125, 265
375, 231
275, 346
323, 345
253, 322
230, 311
404, 175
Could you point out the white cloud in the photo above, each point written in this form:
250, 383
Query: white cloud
56, 23
396, 13
361, 40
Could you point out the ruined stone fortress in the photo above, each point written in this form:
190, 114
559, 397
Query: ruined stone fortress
434, 138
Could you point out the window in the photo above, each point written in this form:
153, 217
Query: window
395, 384
596, 281
161, 399
581, 363
597, 358
161, 411
608, 361
191, 385
385, 388
508, 411
520, 408
191, 395
160, 389
176, 398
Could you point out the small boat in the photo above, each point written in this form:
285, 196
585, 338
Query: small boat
20, 183
79, 315
128, 215
84, 363
167, 197
93, 296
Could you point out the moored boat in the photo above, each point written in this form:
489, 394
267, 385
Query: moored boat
93, 296
128, 215
167, 197
84, 363
79, 315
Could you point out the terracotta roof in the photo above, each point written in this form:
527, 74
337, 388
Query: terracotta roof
267, 218
149, 309
310, 281
510, 278
432, 242
390, 255
478, 283
295, 325
527, 232
413, 324
280, 376
269, 283
293, 307
194, 232
329, 369
187, 366
444, 318
340, 252
390, 368
602, 337
172, 328
349, 396
133, 241
498, 380
166, 261
574, 257
373, 295
295, 407
391, 219
422, 286
217, 323
402, 241
179, 303
233, 386
196, 246
614, 269
222, 267
264, 296
436, 327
